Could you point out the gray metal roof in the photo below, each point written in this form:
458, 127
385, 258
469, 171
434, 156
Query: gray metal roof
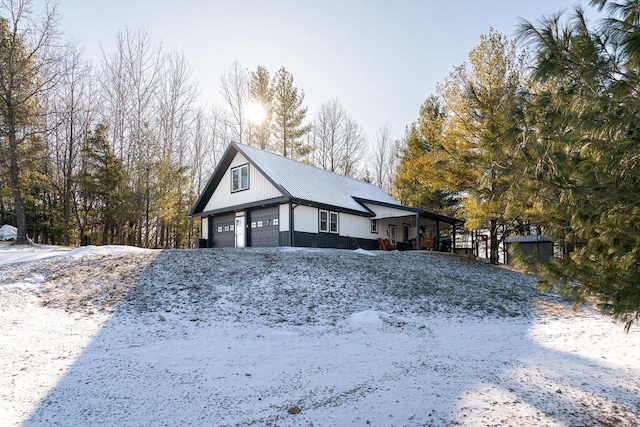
313, 184
528, 239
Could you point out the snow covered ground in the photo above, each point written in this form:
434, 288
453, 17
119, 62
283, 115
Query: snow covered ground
302, 337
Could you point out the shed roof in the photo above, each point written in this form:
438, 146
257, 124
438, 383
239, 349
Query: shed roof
528, 239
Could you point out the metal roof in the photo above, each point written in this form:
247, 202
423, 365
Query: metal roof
528, 239
309, 183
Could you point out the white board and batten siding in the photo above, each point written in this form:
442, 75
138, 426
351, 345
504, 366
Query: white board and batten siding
355, 226
305, 219
259, 188
284, 217
204, 227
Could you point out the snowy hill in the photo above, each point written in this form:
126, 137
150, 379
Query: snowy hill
301, 337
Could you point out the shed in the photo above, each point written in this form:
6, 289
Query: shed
536, 245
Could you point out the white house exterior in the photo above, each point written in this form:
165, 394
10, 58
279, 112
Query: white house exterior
258, 199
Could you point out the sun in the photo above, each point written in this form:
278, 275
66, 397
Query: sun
255, 113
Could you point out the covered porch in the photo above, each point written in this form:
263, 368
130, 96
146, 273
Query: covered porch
416, 229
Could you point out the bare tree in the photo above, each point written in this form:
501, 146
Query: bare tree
384, 159
327, 135
338, 141
28, 69
177, 96
234, 88
73, 99
355, 147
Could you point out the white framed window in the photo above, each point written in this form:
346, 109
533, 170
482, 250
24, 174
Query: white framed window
259, 224
253, 224
374, 226
275, 221
323, 225
333, 222
240, 178
226, 228
219, 229
231, 227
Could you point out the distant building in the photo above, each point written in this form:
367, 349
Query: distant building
537, 245
256, 198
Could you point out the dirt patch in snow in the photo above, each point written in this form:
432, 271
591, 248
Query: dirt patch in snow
87, 283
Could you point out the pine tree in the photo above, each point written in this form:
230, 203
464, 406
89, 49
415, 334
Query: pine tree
419, 180
261, 93
104, 177
582, 153
289, 115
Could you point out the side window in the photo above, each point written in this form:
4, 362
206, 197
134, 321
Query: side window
333, 222
374, 226
240, 178
324, 221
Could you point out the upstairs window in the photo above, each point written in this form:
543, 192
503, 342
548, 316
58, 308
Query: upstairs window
240, 178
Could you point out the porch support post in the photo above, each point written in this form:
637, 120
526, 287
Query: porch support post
453, 241
418, 231
437, 244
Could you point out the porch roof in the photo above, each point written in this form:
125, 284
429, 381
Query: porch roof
413, 211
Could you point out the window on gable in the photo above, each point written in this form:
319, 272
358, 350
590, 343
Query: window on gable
324, 221
333, 222
240, 178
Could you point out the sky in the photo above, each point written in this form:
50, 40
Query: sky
380, 59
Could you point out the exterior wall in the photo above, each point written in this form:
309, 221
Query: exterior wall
331, 240
305, 219
541, 250
204, 228
262, 231
284, 217
224, 239
259, 188
356, 226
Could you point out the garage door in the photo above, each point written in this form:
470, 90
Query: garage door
264, 227
223, 230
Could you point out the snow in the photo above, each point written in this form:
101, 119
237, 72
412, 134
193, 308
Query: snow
8, 232
13, 254
302, 337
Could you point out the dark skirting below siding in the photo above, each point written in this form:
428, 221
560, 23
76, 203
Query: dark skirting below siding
326, 240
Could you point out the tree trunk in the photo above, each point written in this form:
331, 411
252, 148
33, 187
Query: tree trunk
14, 172
493, 236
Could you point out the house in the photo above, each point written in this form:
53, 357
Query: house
260, 199
538, 246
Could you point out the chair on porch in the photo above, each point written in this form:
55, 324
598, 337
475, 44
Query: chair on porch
426, 243
385, 245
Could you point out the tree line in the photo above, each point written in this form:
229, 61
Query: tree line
545, 139
118, 152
